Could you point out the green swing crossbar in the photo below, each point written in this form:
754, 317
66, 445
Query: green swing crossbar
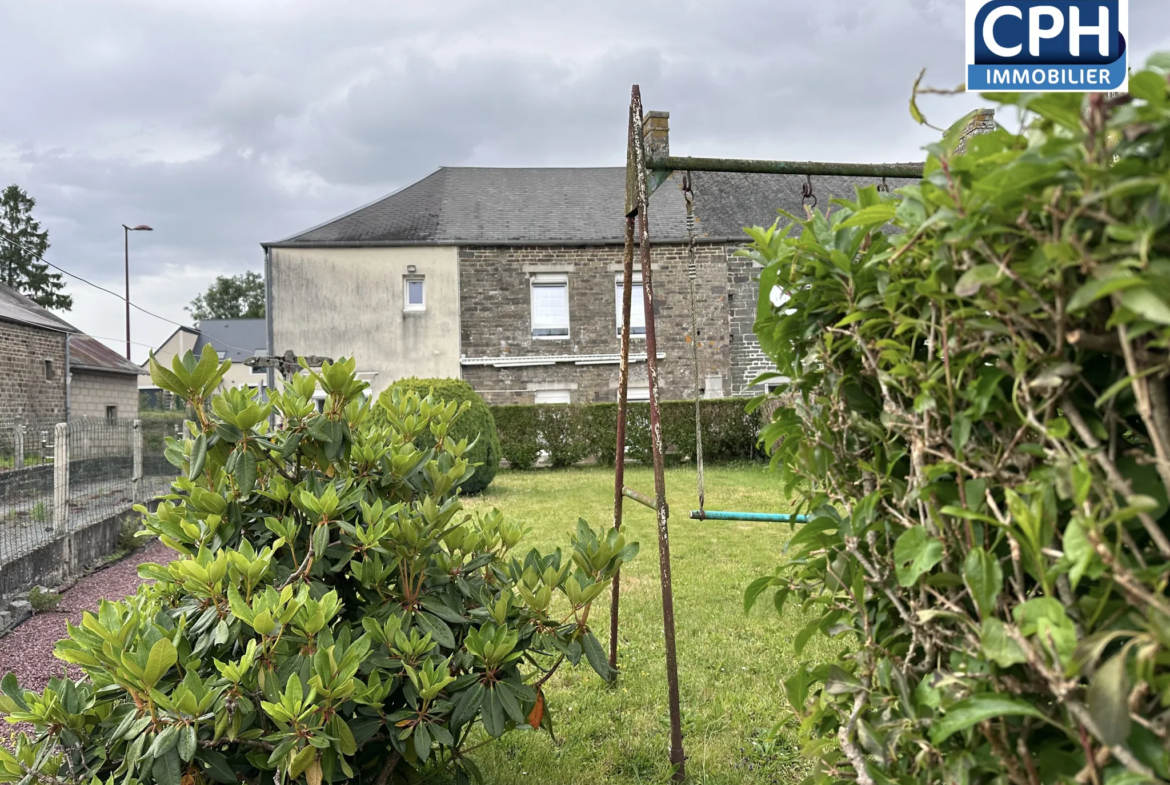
763, 517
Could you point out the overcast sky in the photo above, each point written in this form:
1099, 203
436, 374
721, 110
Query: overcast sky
224, 124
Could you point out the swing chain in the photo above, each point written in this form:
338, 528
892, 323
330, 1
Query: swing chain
692, 275
806, 192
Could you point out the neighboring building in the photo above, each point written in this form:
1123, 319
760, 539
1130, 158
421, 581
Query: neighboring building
103, 383
51, 372
232, 339
511, 279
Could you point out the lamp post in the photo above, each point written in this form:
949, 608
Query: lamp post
126, 235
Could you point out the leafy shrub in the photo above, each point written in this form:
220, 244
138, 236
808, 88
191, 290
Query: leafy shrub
518, 431
476, 426
575, 432
562, 433
983, 424
332, 614
39, 513
43, 599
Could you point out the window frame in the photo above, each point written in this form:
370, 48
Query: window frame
407, 305
618, 281
639, 399
548, 281
567, 393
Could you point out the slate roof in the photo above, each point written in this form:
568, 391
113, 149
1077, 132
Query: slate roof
15, 307
238, 338
90, 354
549, 206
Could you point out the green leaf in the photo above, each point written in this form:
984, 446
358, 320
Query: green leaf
167, 769
977, 708
596, 656
755, 589
162, 658
467, 705
302, 761
1095, 289
984, 579
1148, 86
218, 768
998, 646
186, 743
916, 552
10, 687
245, 474
1147, 304
198, 456
976, 278
437, 628
1108, 699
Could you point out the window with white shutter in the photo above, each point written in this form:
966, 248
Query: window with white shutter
550, 306
637, 310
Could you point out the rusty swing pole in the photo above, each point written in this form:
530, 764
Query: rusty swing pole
637, 199
643, 177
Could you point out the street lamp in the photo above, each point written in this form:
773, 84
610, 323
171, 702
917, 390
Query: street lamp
126, 234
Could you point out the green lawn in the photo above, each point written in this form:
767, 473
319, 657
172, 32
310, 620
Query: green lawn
730, 664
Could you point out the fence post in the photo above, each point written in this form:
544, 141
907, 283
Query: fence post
136, 484
18, 447
60, 477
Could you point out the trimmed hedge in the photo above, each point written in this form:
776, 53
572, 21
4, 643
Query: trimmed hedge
573, 432
476, 422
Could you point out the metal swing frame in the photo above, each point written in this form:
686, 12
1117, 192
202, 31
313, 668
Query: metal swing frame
643, 177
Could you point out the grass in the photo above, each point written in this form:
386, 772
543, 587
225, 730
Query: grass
730, 664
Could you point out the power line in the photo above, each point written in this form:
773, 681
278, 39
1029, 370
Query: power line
43, 260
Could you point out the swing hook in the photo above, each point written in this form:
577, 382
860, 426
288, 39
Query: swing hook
806, 192
688, 193
884, 186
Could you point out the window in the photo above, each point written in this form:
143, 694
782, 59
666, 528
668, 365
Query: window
635, 394
414, 294
637, 311
550, 306
553, 396
111, 412
49, 370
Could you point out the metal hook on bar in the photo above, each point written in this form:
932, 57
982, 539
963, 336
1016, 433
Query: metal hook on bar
806, 192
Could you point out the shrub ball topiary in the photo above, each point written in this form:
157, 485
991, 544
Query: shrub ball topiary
476, 425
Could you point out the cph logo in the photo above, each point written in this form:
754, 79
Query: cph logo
1020, 46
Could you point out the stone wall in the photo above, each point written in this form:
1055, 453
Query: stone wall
92, 392
747, 360
495, 309
32, 385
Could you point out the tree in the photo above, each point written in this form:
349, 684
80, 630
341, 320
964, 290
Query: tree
231, 297
331, 613
22, 246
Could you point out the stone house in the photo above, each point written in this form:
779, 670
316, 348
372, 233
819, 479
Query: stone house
232, 339
511, 280
54, 373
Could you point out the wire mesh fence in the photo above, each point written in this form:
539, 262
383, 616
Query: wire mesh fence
57, 479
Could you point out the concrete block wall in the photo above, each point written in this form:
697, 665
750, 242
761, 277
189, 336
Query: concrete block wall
92, 392
31, 390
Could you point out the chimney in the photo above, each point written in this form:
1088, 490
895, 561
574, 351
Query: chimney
982, 123
656, 134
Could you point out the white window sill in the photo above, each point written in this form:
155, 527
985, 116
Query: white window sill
551, 337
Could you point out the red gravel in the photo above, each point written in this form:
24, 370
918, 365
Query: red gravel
28, 650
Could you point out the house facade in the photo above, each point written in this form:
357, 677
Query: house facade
511, 280
232, 339
55, 373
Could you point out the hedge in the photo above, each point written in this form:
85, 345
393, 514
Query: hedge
476, 423
573, 432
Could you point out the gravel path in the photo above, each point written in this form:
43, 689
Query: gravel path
27, 651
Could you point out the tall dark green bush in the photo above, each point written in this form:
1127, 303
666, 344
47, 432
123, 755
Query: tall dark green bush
477, 426
575, 432
982, 435
519, 434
